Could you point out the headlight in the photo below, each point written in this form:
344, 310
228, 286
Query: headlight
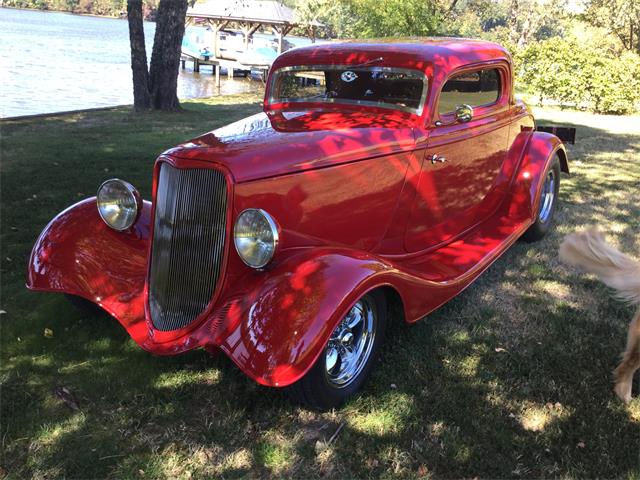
256, 237
118, 204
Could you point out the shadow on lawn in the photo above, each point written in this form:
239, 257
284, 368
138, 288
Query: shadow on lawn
611, 165
512, 378
533, 403
456, 408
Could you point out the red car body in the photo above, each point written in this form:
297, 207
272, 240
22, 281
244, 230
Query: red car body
359, 203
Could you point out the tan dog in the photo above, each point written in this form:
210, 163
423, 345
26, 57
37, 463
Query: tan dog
590, 251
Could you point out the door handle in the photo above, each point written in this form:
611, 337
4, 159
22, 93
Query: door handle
437, 158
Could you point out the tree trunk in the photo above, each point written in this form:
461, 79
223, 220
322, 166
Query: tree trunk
141, 93
514, 12
165, 58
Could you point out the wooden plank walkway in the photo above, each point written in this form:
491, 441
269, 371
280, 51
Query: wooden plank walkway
217, 63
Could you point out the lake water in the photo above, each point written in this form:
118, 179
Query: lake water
52, 62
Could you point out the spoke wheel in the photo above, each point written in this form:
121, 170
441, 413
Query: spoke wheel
348, 357
548, 196
547, 206
350, 344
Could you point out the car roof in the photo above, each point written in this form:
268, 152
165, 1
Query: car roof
445, 53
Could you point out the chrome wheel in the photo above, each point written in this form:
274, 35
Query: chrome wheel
349, 355
548, 197
350, 344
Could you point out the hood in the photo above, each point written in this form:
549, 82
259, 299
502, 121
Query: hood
283, 142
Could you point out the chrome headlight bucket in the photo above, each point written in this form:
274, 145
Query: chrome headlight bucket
119, 204
256, 237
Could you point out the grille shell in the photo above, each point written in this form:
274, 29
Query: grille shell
189, 239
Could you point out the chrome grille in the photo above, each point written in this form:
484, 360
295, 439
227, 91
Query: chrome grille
188, 244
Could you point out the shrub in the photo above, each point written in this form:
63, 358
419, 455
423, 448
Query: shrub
580, 75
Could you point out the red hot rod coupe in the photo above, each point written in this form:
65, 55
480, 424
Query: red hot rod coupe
379, 181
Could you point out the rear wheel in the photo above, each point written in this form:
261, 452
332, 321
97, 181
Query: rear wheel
348, 358
548, 201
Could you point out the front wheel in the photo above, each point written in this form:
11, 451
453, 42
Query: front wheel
348, 358
547, 207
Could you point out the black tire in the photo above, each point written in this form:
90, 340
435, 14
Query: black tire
83, 305
544, 215
316, 390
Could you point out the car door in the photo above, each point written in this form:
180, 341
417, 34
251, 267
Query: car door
458, 185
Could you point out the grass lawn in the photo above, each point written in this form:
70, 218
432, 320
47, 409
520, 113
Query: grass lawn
510, 379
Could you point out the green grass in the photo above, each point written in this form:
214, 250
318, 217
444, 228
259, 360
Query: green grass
510, 379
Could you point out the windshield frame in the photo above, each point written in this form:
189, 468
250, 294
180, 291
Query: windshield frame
271, 100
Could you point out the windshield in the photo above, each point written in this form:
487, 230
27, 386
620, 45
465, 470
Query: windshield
397, 88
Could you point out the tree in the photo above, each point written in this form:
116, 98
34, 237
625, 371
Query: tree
619, 17
397, 18
141, 92
156, 87
515, 22
535, 19
335, 16
373, 18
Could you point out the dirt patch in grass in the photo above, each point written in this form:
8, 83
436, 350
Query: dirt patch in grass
510, 379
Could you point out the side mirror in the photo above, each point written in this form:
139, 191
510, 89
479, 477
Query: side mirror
464, 113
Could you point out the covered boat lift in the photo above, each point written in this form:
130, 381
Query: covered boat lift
246, 17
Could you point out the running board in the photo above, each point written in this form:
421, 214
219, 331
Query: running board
467, 257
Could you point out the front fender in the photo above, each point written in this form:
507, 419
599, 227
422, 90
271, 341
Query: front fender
78, 254
286, 321
526, 189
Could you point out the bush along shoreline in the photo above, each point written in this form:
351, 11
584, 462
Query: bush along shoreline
100, 8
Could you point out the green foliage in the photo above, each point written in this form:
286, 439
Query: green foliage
336, 17
517, 21
619, 17
580, 75
396, 18
108, 8
373, 18
512, 21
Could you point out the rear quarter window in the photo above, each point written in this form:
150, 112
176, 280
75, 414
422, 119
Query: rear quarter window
477, 88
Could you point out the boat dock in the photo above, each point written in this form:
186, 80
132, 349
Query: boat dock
227, 34
230, 66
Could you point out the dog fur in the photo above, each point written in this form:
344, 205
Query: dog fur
590, 251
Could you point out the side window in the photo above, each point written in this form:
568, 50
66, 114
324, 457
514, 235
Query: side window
470, 88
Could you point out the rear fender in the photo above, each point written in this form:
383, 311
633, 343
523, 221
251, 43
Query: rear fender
283, 325
540, 151
78, 254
